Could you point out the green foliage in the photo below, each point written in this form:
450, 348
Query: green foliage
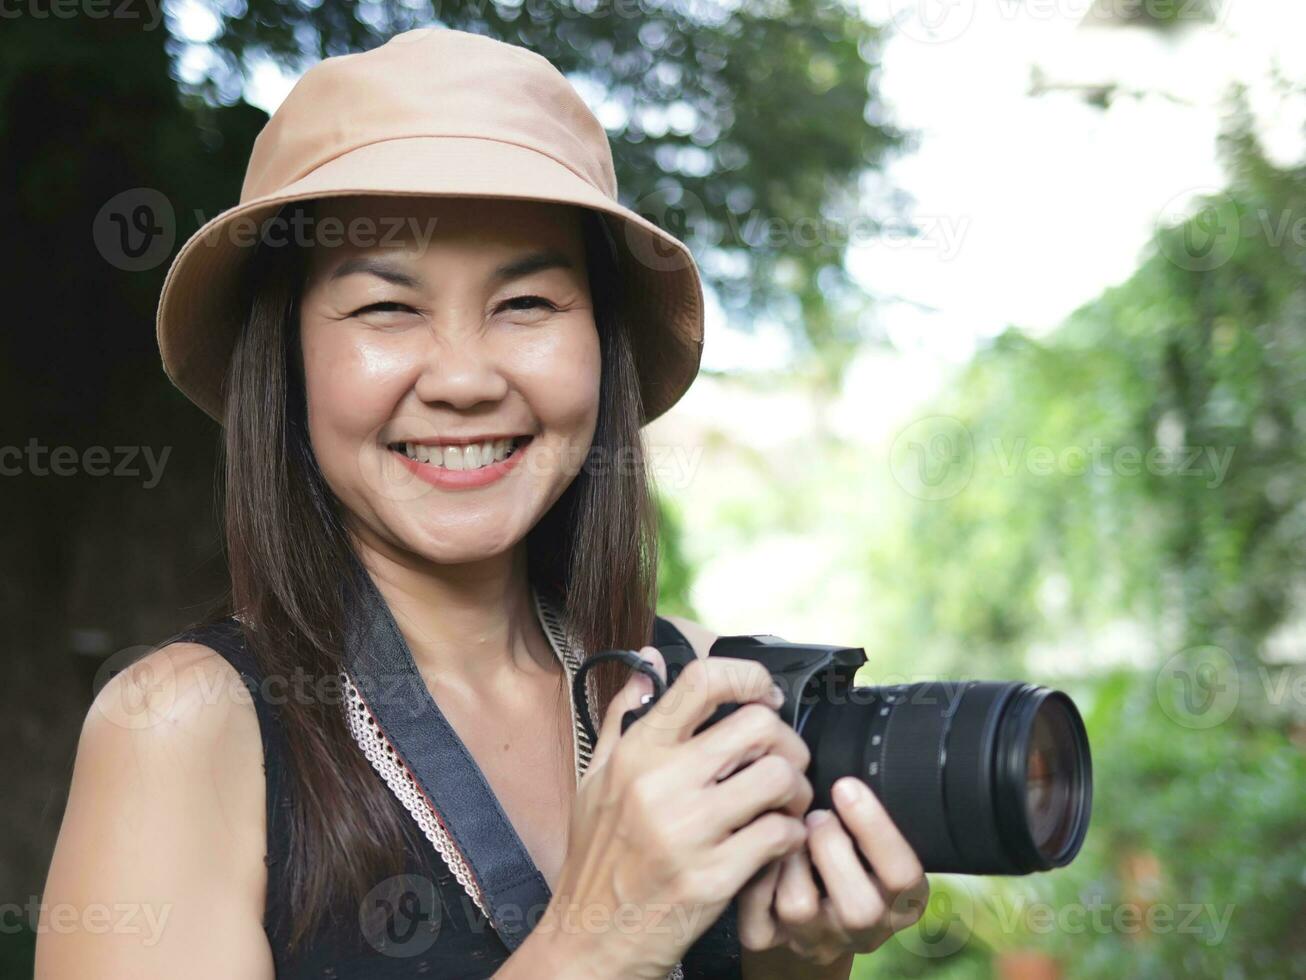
675, 574
1141, 466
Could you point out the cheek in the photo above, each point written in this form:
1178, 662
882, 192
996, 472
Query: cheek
348, 379
351, 386
563, 382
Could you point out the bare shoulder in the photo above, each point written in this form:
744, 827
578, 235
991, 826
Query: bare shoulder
181, 687
700, 637
165, 824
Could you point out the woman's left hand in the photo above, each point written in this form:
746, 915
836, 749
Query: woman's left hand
781, 911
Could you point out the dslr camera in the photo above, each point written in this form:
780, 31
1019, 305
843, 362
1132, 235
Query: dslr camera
981, 777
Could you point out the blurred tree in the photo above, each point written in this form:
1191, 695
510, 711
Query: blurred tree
1142, 466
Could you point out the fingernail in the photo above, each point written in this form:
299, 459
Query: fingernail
777, 696
817, 817
848, 791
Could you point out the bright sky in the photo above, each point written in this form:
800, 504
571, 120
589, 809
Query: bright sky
1033, 205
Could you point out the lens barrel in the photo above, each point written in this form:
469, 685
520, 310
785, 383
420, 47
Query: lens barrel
981, 777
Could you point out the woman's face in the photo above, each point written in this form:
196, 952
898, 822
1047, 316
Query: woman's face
427, 323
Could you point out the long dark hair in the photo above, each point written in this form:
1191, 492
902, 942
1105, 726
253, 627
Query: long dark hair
594, 552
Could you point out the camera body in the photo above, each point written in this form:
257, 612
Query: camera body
981, 777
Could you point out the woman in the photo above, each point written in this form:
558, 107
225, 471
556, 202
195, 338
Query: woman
432, 360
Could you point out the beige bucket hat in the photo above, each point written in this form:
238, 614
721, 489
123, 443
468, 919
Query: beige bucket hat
431, 112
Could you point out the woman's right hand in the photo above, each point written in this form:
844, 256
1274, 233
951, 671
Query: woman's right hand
667, 826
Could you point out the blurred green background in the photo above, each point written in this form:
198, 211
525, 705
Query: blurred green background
1108, 499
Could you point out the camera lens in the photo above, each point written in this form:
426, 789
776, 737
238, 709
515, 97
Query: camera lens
980, 777
1049, 780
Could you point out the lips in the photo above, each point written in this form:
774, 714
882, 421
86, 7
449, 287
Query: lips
453, 477
461, 456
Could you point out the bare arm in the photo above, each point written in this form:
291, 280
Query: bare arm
158, 871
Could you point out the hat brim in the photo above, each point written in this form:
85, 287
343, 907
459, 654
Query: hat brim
200, 313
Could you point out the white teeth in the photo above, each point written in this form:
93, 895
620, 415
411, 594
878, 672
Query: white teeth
460, 457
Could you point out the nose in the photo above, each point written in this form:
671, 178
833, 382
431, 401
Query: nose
460, 370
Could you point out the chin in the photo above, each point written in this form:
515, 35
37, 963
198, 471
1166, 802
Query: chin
462, 543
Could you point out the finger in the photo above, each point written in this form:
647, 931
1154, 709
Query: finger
701, 688
770, 783
627, 699
746, 851
855, 897
797, 899
745, 735
758, 929
868, 822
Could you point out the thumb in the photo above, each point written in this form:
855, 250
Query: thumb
627, 699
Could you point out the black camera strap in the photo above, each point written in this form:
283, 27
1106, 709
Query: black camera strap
382, 668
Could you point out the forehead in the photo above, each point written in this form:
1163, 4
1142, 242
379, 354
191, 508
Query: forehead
351, 225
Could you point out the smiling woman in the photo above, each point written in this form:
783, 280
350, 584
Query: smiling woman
484, 335
436, 506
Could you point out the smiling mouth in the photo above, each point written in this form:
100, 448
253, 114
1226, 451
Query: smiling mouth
474, 456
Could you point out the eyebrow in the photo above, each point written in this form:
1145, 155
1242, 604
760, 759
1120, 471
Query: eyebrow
549, 258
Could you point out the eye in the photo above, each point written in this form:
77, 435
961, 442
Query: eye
386, 307
536, 302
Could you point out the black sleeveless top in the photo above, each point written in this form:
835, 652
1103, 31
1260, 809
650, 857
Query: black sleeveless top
465, 943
